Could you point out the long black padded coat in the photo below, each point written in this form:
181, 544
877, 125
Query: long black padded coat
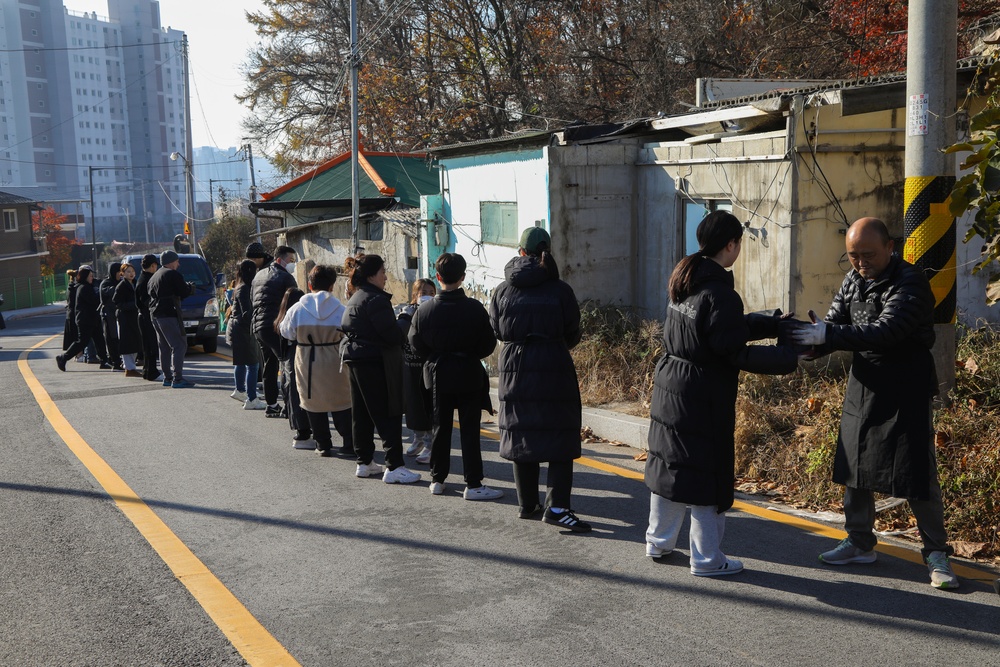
538, 320
886, 434
129, 336
693, 410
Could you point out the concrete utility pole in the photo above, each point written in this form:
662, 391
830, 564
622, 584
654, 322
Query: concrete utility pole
93, 226
355, 183
931, 58
253, 187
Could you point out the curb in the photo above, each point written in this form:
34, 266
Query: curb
24, 313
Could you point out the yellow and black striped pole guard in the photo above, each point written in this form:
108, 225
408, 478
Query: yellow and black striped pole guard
930, 238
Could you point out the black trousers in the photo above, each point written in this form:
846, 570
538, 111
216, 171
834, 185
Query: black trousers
559, 482
369, 398
150, 347
270, 359
319, 422
469, 409
110, 323
297, 417
85, 334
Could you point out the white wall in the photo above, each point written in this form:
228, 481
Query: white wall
515, 176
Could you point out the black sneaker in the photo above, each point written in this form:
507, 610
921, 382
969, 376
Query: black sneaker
326, 453
529, 513
272, 411
61, 362
566, 519
347, 453
105, 366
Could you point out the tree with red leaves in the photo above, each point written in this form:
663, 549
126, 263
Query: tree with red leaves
48, 224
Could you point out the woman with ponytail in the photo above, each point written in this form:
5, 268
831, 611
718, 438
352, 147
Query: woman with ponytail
373, 353
691, 458
537, 317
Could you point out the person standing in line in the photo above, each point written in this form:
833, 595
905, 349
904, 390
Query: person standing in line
323, 383
69, 328
167, 289
88, 320
297, 418
256, 252
417, 402
884, 314
373, 352
129, 336
246, 353
268, 288
453, 332
150, 348
691, 458
109, 314
537, 317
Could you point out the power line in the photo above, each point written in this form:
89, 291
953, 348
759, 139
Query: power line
39, 49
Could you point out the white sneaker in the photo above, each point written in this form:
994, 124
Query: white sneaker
657, 552
482, 493
731, 566
308, 443
437, 488
368, 470
255, 404
240, 396
400, 476
425, 456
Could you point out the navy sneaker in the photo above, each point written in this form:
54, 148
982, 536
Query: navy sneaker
167, 382
566, 519
181, 384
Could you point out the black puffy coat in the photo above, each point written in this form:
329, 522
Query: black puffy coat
453, 333
107, 292
87, 303
129, 335
538, 320
167, 289
370, 326
267, 289
242, 341
886, 434
693, 410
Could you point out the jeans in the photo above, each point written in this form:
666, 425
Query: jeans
707, 529
246, 379
173, 346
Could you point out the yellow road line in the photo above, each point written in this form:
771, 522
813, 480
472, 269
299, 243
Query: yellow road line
245, 632
801, 523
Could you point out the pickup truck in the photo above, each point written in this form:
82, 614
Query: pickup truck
200, 311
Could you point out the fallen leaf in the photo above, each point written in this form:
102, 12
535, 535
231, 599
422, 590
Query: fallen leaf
967, 549
971, 365
973, 404
814, 405
941, 439
641, 456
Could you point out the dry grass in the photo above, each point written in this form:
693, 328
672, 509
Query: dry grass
786, 430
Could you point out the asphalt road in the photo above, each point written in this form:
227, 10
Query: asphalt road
345, 571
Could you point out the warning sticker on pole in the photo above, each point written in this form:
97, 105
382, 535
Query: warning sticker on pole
916, 115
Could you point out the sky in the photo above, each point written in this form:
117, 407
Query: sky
219, 38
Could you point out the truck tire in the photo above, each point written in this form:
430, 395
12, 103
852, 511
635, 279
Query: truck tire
210, 345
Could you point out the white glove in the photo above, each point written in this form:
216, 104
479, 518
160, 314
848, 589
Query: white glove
806, 333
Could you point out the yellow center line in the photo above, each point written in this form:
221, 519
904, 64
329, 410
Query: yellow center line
801, 523
245, 632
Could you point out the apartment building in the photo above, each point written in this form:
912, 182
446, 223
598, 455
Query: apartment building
91, 98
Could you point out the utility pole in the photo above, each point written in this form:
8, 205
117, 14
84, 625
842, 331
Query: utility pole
355, 183
931, 58
128, 223
253, 187
188, 147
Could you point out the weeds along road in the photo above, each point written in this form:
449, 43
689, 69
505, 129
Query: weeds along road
261, 554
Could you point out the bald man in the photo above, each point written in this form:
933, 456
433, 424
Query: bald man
883, 313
